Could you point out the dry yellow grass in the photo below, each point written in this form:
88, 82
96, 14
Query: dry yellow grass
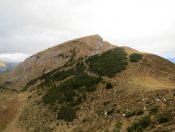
9, 106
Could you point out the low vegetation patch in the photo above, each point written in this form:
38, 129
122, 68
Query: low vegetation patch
155, 117
32, 82
140, 125
60, 75
118, 126
109, 63
23, 89
109, 86
139, 112
66, 113
164, 117
70, 93
161, 116
154, 111
110, 111
135, 57
67, 91
130, 114
2, 86
80, 68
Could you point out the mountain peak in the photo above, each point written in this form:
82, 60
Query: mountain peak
58, 56
95, 36
92, 41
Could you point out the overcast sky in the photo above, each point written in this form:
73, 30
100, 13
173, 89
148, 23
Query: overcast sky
29, 26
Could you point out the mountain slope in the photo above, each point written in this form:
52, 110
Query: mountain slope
88, 84
56, 57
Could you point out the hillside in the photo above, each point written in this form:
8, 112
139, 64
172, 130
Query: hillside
55, 57
86, 85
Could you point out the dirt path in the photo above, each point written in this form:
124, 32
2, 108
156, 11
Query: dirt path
10, 104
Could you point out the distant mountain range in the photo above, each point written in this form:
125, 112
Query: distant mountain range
7, 66
172, 60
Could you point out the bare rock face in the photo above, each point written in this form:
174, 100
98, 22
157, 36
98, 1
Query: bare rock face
55, 57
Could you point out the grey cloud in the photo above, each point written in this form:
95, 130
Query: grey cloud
160, 45
33, 25
26, 28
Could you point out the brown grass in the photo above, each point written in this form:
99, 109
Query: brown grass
9, 105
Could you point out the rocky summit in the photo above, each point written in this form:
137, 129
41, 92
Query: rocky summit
89, 85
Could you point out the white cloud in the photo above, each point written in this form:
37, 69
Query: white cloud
18, 57
33, 25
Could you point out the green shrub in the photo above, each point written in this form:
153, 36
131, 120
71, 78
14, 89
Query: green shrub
109, 63
61, 75
45, 76
164, 117
23, 89
76, 102
109, 86
110, 111
56, 75
32, 82
140, 125
154, 110
65, 92
2, 86
90, 89
80, 67
139, 129
135, 57
118, 126
130, 114
85, 80
66, 113
139, 112
71, 93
